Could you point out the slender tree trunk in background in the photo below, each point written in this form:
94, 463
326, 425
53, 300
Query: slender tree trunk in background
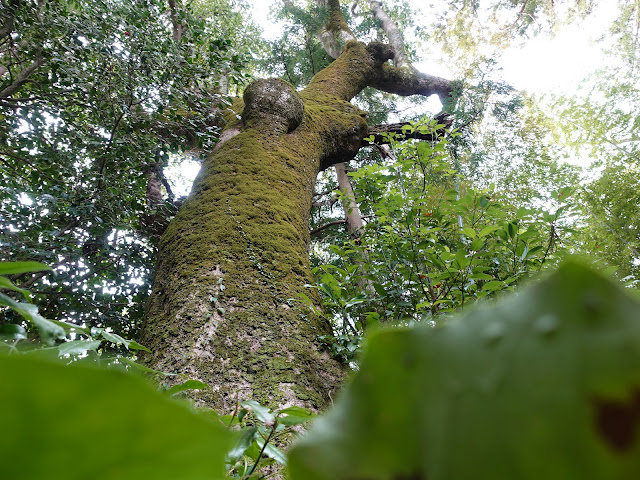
351, 211
231, 264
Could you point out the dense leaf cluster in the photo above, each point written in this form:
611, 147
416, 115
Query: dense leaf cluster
94, 97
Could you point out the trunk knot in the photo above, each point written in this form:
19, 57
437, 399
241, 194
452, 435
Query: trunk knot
272, 104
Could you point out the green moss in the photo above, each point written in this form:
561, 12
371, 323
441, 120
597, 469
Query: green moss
242, 236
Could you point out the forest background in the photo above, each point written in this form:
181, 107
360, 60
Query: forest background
452, 199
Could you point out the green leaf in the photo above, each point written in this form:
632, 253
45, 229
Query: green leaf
107, 423
477, 244
493, 285
77, 347
12, 268
70, 327
379, 289
243, 441
188, 385
8, 284
541, 386
295, 415
469, 232
462, 259
272, 451
10, 331
49, 331
487, 230
298, 411
114, 338
262, 413
481, 276
523, 212
133, 345
118, 340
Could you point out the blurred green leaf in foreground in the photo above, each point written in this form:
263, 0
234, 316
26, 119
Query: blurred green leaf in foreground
76, 422
545, 385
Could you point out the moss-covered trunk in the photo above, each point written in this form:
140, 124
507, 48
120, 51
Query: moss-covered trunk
231, 264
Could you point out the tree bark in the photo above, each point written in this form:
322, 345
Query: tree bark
352, 215
234, 260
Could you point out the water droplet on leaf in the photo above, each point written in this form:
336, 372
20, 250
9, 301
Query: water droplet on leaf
493, 332
546, 324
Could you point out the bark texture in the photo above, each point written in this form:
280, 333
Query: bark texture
232, 262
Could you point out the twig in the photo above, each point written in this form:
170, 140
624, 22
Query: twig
266, 442
315, 231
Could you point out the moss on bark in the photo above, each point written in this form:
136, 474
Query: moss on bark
235, 258
233, 261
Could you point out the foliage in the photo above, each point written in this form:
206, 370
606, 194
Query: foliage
600, 124
432, 243
55, 338
525, 388
259, 432
78, 422
542, 385
482, 29
94, 96
297, 55
612, 206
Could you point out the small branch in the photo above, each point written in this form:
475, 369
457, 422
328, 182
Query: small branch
266, 442
326, 203
166, 184
326, 192
316, 231
28, 162
22, 78
381, 132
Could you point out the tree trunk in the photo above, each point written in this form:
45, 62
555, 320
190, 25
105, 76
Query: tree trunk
224, 307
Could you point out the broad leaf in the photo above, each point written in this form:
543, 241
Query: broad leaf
77, 347
12, 268
8, 284
272, 451
188, 385
294, 415
75, 422
49, 331
243, 441
262, 413
545, 385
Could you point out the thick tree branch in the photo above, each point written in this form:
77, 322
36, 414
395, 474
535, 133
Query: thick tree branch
351, 72
336, 33
389, 27
22, 78
407, 81
351, 211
